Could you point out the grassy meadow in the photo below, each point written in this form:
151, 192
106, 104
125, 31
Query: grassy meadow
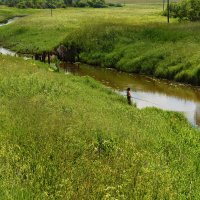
170, 52
68, 137
134, 38
136, 1
8, 13
40, 32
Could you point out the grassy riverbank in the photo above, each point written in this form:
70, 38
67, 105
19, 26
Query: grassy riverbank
67, 137
8, 13
41, 32
134, 38
170, 52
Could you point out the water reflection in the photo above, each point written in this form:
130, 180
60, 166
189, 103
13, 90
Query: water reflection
7, 52
9, 21
3, 50
147, 91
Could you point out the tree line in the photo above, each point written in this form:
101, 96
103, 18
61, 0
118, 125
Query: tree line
36, 3
56, 3
185, 10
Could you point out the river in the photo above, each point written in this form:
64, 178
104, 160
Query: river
4, 50
146, 91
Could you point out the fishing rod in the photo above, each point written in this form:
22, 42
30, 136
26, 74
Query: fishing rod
144, 100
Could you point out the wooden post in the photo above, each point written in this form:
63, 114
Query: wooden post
36, 57
168, 13
43, 56
49, 59
163, 5
51, 9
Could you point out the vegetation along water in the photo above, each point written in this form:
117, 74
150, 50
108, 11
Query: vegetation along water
133, 38
69, 137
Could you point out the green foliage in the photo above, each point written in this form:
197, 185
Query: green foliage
37, 3
44, 33
8, 13
91, 3
185, 9
115, 4
67, 137
126, 38
55, 3
154, 50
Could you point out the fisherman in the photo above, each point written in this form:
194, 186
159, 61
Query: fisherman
129, 96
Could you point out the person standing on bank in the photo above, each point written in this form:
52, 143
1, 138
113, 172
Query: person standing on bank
129, 96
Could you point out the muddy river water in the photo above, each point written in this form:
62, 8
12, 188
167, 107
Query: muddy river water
146, 91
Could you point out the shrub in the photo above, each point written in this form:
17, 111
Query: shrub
114, 4
185, 9
91, 3
81, 4
97, 4
21, 5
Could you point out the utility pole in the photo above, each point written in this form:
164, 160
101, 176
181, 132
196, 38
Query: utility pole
163, 5
168, 11
51, 8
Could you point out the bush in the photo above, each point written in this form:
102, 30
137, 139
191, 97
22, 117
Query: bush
91, 3
97, 4
114, 4
81, 4
21, 5
185, 9
37, 3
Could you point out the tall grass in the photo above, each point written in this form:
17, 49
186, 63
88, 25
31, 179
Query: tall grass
8, 13
41, 32
170, 52
134, 38
66, 137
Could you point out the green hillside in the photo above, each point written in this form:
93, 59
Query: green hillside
66, 137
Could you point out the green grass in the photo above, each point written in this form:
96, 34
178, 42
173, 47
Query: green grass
135, 38
170, 52
136, 1
67, 137
40, 31
8, 13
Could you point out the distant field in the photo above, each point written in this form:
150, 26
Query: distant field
136, 1
147, 2
7, 13
134, 38
40, 31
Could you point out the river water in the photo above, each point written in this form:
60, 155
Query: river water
9, 21
146, 91
4, 50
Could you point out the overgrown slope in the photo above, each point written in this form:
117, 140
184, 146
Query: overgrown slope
67, 137
134, 38
170, 52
